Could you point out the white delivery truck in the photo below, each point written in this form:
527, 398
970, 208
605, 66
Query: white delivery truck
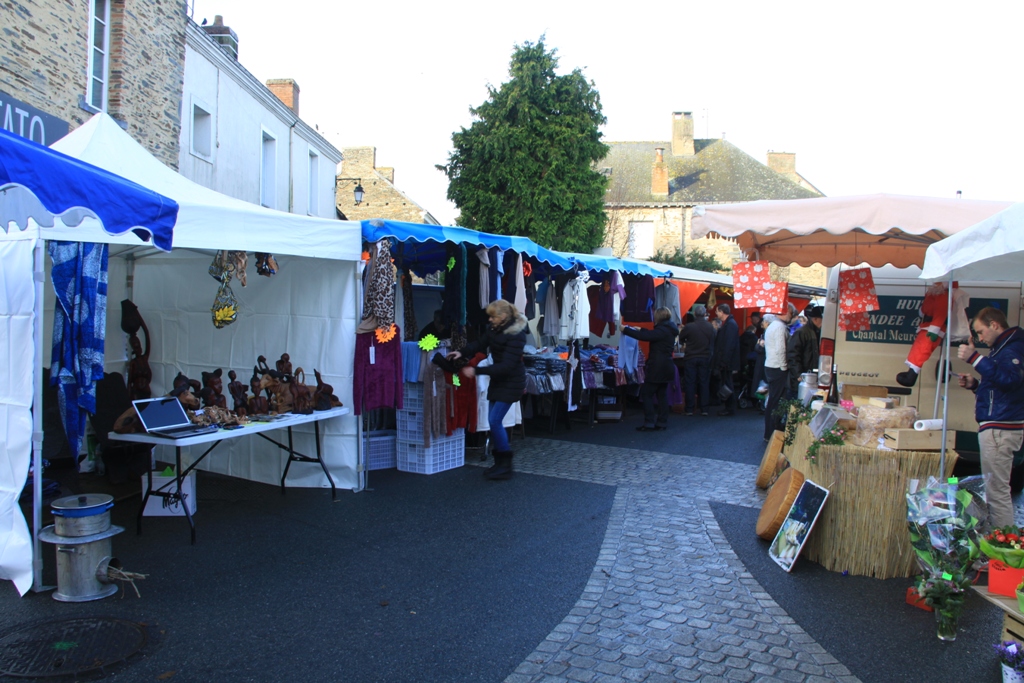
877, 355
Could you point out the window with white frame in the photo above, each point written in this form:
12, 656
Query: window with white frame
641, 239
313, 207
202, 130
268, 171
99, 53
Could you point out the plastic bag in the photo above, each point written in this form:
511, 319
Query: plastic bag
225, 305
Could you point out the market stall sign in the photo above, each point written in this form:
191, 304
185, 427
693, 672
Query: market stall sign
28, 122
897, 318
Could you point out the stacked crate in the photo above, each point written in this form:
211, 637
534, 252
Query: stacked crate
379, 449
443, 453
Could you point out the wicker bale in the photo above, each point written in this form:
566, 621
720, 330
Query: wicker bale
777, 504
863, 527
770, 461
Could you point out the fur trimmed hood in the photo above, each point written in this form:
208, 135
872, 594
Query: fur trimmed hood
517, 325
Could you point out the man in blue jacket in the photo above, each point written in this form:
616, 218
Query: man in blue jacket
999, 407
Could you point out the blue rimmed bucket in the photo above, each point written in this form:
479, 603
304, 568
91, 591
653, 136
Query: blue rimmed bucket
81, 515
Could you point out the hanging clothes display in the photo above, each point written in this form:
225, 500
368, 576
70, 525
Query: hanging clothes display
530, 285
407, 306
79, 276
483, 256
667, 295
379, 295
496, 271
377, 373
549, 296
638, 304
575, 319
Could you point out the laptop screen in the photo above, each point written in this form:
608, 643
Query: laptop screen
161, 413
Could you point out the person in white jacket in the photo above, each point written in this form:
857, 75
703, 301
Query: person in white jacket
776, 338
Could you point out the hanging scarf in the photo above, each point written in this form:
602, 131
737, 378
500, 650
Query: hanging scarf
79, 329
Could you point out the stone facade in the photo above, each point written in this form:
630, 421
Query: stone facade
381, 199
44, 62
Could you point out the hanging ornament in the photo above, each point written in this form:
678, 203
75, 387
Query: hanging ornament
456, 382
386, 334
857, 291
451, 263
748, 279
429, 342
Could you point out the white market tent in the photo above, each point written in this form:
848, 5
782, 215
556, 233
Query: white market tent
990, 250
878, 229
309, 309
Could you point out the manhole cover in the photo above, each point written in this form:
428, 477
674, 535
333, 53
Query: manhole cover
69, 648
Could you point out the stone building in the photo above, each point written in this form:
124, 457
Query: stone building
62, 61
653, 187
245, 139
381, 199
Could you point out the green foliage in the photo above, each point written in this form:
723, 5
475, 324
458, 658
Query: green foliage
693, 258
793, 412
525, 166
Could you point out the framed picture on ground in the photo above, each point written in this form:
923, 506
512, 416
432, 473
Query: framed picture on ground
797, 526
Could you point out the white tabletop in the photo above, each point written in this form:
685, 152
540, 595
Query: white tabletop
286, 420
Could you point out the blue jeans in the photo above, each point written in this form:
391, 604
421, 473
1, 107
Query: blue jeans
499, 438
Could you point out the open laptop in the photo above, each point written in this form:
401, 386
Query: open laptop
166, 417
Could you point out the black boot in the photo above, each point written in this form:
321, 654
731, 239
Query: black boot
908, 378
502, 466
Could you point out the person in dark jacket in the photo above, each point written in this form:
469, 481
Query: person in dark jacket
802, 347
697, 338
504, 338
659, 369
999, 405
726, 359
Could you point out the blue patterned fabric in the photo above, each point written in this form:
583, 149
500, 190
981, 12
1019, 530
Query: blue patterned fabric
79, 329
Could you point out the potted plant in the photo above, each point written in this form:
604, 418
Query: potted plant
1011, 660
1005, 549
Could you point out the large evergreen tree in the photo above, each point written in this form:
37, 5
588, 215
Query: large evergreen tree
525, 166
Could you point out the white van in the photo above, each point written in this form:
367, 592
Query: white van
877, 356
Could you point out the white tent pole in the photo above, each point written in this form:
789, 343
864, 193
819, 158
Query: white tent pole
38, 274
945, 375
361, 477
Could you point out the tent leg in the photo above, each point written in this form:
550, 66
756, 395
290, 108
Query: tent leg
361, 475
39, 275
945, 376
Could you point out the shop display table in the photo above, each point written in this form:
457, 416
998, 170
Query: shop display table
172, 490
863, 526
1013, 620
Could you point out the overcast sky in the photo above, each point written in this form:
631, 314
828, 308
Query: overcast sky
900, 97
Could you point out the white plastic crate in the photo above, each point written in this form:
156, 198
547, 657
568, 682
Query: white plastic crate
410, 425
442, 454
379, 449
412, 396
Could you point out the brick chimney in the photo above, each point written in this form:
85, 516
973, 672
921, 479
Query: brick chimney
223, 35
659, 174
286, 90
682, 134
782, 162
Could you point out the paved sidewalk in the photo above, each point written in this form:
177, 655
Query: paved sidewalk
668, 599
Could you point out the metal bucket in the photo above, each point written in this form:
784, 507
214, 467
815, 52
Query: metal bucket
808, 385
82, 515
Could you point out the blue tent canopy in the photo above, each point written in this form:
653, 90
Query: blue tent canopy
603, 264
65, 186
422, 247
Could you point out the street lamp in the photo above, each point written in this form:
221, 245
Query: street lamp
357, 193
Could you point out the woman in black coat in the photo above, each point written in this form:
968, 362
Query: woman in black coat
659, 370
504, 338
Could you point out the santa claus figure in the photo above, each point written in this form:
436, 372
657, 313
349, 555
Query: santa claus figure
932, 328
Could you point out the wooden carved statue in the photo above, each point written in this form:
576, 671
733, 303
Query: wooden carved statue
238, 393
257, 404
213, 389
139, 373
302, 399
277, 385
284, 365
187, 391
323, 396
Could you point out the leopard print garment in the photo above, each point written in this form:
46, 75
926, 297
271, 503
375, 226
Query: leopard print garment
379, 297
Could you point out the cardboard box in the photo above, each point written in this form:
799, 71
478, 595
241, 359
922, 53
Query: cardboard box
851, 390
913, 440
158, 506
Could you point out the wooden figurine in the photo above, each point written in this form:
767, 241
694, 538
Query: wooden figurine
187, 391
213, 389
238, 393
302, 399
284, 365
323, 396
257, 404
